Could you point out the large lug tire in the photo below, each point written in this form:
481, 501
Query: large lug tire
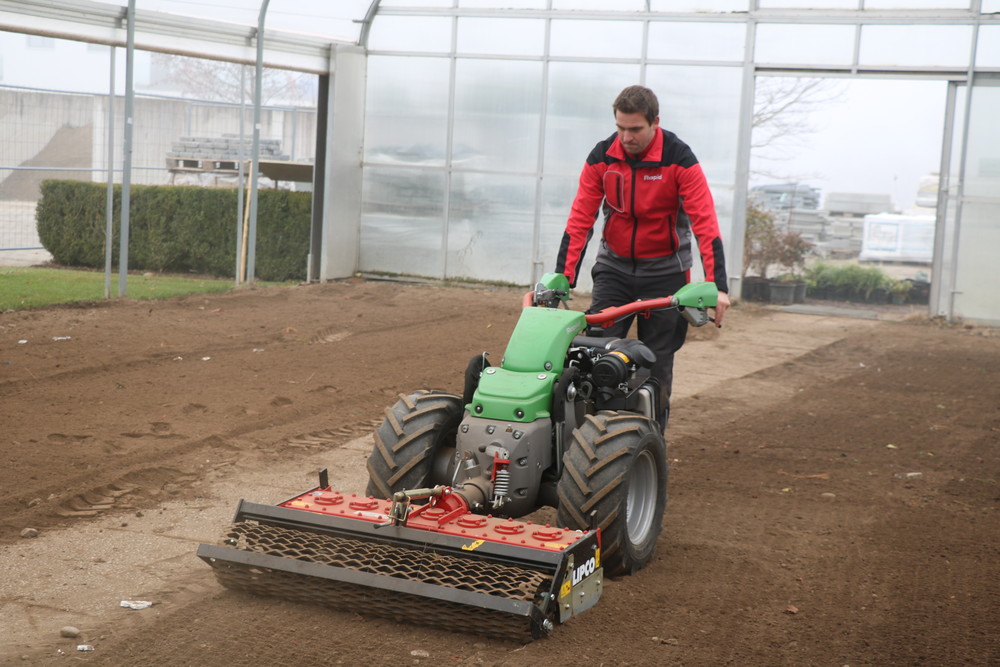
415, 443
615, 478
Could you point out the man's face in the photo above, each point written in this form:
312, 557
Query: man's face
634, 131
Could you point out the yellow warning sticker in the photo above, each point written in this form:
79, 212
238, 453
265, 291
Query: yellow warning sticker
567, 587
472, 547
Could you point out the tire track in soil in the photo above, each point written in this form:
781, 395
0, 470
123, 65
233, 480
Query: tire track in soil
80, 496
167, 473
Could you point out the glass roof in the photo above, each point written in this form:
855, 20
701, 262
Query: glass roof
339, 20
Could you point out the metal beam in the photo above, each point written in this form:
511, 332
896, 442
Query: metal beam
250, 266
127, 150
102, 23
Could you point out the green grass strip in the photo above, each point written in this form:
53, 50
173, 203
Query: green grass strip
33, 287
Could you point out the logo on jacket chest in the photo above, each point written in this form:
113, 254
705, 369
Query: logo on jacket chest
658, 177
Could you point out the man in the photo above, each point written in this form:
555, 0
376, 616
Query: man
654, 196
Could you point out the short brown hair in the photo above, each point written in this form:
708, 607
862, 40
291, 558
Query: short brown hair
638, 99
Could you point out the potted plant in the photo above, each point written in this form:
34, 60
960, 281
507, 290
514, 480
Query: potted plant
820, 280
764, 247
759, 251
898, 291
791, 255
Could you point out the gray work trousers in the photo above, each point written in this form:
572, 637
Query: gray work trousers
663, 331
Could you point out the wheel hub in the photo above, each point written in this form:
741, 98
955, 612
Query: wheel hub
642, 492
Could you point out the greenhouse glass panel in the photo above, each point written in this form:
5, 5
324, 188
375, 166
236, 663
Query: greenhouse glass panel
975, 294
579, 110
699, 5
557, 197
990, 7
491, 227
497, 114
402, 223
804, 44
988, 47
982, 165
596, 39
422, 34
916, 45
406, 113
507, 37
696, 41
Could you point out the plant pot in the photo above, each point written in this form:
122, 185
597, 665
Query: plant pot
920, 292
799, 295
782, 293
879, 295
818, 292
755, 288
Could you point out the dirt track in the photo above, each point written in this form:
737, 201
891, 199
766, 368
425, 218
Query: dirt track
794, 535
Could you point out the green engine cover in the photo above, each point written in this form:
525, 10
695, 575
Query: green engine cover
520, 390
541, 338
512, 396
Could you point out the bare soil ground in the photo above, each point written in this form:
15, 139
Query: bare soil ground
835, 482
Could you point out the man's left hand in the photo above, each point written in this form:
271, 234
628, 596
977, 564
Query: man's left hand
720, 308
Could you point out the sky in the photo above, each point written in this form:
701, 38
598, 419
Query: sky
879, 136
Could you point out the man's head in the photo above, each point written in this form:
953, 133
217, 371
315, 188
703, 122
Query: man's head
638, 99
637, 117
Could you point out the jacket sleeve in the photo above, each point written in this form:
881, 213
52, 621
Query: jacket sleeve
580, 225
700, 208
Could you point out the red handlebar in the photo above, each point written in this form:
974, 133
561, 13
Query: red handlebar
609, 316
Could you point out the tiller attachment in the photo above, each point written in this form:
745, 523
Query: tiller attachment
434, 563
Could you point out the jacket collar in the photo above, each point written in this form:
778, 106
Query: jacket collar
652, 155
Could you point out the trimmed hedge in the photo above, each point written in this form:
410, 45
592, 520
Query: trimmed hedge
175, 229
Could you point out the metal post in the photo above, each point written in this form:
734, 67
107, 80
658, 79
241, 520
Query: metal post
537, 262
736, 241
109, 233
319, 181
960, 193
242, 174
255, 157
127, 159
938, 281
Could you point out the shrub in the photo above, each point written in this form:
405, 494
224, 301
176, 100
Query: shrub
848, 281
174, 229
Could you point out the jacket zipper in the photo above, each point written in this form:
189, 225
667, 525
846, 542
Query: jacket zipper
635, 222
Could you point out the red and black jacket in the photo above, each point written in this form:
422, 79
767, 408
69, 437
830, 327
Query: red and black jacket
652, 204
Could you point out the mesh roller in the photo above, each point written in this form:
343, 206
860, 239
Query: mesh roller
391, 560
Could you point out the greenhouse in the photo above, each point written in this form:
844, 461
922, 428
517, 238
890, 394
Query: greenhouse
444, 139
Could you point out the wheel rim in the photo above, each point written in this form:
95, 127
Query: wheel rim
642, 492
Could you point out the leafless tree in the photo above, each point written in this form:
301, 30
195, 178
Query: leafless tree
782, 119
232, 82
